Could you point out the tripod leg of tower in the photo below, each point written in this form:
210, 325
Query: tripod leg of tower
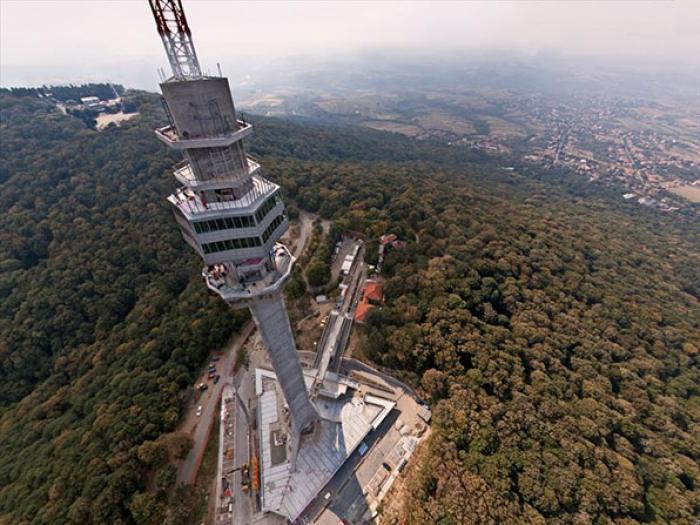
271, 318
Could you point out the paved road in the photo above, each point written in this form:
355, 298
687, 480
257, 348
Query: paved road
243, 508
336, 334
357, 279
306, 221
210, 409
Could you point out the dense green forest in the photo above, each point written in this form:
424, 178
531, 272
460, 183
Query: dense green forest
103, 91
103, 321
553, 328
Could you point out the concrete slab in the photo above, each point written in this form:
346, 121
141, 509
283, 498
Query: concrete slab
346, 420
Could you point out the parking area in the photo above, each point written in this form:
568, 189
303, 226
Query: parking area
346, 248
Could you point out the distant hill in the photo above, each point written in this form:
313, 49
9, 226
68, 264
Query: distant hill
552, 328
65, 93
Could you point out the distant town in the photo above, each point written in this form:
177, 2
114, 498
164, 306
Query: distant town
649, 146
648, 149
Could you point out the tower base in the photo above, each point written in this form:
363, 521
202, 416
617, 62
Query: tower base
346, 417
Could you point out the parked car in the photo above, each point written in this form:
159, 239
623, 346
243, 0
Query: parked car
362, 448
216, 379
199, 410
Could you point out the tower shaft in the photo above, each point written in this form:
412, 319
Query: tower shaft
272, 320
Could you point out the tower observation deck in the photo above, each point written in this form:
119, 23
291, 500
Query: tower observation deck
226, 210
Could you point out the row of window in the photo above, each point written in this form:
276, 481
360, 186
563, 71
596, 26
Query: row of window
273, 225
248, 242
230, 223
231, 244
265, 208
227, 223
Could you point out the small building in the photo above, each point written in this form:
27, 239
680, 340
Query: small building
362, 310
347, 265
373, 292
92, 103
387, 239
372, 296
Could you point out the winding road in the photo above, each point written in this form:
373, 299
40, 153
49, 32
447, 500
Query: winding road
210, 409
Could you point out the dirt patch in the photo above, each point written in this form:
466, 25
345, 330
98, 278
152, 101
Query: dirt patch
691, 193
394, 127
105, 119
308, 330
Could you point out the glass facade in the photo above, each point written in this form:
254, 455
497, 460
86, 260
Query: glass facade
231, 244
273, 225
231, 223
247, 242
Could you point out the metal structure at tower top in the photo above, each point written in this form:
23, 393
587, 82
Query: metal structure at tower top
177, 38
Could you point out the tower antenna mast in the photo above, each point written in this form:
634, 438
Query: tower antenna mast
177, 38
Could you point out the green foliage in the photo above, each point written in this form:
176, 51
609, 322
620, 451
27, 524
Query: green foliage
318, 272
87, 116
553, 328
103, 319
146, 510
103, 91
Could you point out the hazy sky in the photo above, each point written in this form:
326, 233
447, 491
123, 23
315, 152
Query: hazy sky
45, 41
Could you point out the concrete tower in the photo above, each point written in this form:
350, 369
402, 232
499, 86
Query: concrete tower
227, 212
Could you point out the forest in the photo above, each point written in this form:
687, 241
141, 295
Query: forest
103, 91
552, 328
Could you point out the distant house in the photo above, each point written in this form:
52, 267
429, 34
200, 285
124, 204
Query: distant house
387, 239
92, 103
391, 240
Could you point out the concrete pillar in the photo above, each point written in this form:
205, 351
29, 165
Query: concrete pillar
271, 317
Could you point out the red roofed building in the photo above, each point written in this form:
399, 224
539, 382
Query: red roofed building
373, 292
372, 295
387, 239
361, 312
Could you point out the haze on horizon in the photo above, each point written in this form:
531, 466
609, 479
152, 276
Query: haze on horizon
73, 41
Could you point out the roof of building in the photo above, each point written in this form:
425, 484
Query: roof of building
344, 424
385, 239
361, 312
374, 291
